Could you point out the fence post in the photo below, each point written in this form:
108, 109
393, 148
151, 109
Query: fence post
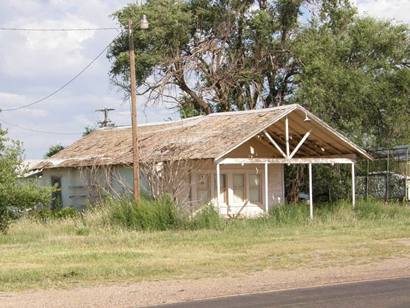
367, 179
353, 187
386, 198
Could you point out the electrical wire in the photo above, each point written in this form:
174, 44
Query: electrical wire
57, 29
44, 98
38, 130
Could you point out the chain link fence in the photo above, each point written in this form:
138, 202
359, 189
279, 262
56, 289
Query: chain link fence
387, 177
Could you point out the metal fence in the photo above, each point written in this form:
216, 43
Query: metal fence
387, 177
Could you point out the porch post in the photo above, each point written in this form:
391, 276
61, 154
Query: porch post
218, 186
353, 187
266, 189
310, 192
287, 136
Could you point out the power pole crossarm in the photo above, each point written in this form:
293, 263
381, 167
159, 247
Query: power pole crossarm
106, 122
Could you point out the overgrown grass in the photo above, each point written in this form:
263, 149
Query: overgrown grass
162, 214
150, 215
112, 244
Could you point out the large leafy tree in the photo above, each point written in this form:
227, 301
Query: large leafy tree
217, 55
210, 56
356, 75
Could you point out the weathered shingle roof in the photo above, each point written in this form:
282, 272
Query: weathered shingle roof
203, 137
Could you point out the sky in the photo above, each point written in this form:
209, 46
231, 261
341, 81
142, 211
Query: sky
34, 64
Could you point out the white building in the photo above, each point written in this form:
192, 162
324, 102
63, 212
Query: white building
248, 149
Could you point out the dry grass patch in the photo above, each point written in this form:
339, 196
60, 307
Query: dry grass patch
70, 252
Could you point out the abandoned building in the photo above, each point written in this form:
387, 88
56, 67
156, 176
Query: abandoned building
234, 160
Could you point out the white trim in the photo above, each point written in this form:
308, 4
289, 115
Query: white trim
276, 118
218, 187
287, 136
353, 187
335, 132
324, 160
310, 192
279, 117
266, 185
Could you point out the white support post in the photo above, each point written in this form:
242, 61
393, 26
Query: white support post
310, 192
218, 187
353, 187
287, 136
266, 189
299, 144
274, 143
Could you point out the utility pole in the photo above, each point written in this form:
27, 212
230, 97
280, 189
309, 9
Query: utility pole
106, 122
135, 150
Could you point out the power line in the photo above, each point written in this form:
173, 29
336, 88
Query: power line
38, 130
63, 86
57, 29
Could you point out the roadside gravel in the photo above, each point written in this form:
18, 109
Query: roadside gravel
171, 291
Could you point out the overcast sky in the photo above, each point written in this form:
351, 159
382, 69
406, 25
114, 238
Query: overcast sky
33, 64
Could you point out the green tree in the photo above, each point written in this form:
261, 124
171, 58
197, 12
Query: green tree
211, 56
54, 149
16, 193
356, 76
223, 55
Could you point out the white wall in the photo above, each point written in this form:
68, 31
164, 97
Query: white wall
75, 189
276, 191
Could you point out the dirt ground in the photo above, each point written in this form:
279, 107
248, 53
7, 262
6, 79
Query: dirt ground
160, 292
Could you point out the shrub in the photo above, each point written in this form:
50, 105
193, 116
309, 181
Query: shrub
16, 194
207, 218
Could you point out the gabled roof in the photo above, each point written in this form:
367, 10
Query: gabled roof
202, 137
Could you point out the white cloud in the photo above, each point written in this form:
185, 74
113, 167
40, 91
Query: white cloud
396, 10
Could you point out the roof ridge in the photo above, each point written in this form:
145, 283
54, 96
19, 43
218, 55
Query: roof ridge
154, 123
203, 116
253, 110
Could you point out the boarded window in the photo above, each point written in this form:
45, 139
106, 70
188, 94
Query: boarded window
238, 188
254, 188
56, 197
203, 188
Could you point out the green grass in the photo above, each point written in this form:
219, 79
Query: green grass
100, 249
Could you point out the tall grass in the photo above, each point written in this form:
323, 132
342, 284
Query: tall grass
162, 214
149, 215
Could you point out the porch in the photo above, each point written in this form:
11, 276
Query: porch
267, 176
299, 137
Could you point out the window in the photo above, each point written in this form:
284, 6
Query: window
203, 188
238, 188
223, 188
254, 188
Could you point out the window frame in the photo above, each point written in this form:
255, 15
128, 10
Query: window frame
208, 190
224, 187
260, 192
244, 188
